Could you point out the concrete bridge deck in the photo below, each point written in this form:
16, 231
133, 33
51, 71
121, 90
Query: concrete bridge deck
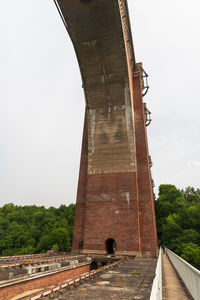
130, 280
124, 279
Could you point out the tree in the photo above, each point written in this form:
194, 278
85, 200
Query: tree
191, 253
32, 229
178, 222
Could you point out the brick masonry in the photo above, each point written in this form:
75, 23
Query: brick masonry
41, 282
115, 197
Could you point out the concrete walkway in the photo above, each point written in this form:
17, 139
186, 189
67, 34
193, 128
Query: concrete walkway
130, 280
173, 288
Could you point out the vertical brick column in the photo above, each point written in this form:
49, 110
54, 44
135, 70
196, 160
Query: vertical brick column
81, 192
148, 234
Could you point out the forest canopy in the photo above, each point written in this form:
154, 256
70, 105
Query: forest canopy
32, 229
178, 221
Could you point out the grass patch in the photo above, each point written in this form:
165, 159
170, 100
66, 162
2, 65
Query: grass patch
135, 273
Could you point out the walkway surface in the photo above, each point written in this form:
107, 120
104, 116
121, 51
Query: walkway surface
173, 288
129, 280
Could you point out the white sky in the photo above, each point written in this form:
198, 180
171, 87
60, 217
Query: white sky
42, 102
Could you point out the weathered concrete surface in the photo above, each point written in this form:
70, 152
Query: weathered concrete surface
173, 288
130, 280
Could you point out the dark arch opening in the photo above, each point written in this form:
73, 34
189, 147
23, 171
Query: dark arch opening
93, 265
110, 246
80, 245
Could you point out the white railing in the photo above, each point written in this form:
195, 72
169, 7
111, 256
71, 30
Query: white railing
189, 274
156, 291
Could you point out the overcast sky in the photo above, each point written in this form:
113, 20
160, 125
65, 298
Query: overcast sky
42, 102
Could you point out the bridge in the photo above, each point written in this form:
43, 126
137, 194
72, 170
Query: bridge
114, 231
63, 276
115, 201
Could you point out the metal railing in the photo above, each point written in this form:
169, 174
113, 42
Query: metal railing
189, 274
156, 291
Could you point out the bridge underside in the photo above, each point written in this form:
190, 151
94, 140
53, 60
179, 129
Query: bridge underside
115, 199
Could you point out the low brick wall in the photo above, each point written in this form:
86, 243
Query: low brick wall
53, 291
41, 282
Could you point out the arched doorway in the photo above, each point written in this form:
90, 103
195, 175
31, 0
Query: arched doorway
80, 245
110, 246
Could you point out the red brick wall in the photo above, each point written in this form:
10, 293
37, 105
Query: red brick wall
145, 192
103, 211
82, 190
13, 290
111, 212
106, 212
